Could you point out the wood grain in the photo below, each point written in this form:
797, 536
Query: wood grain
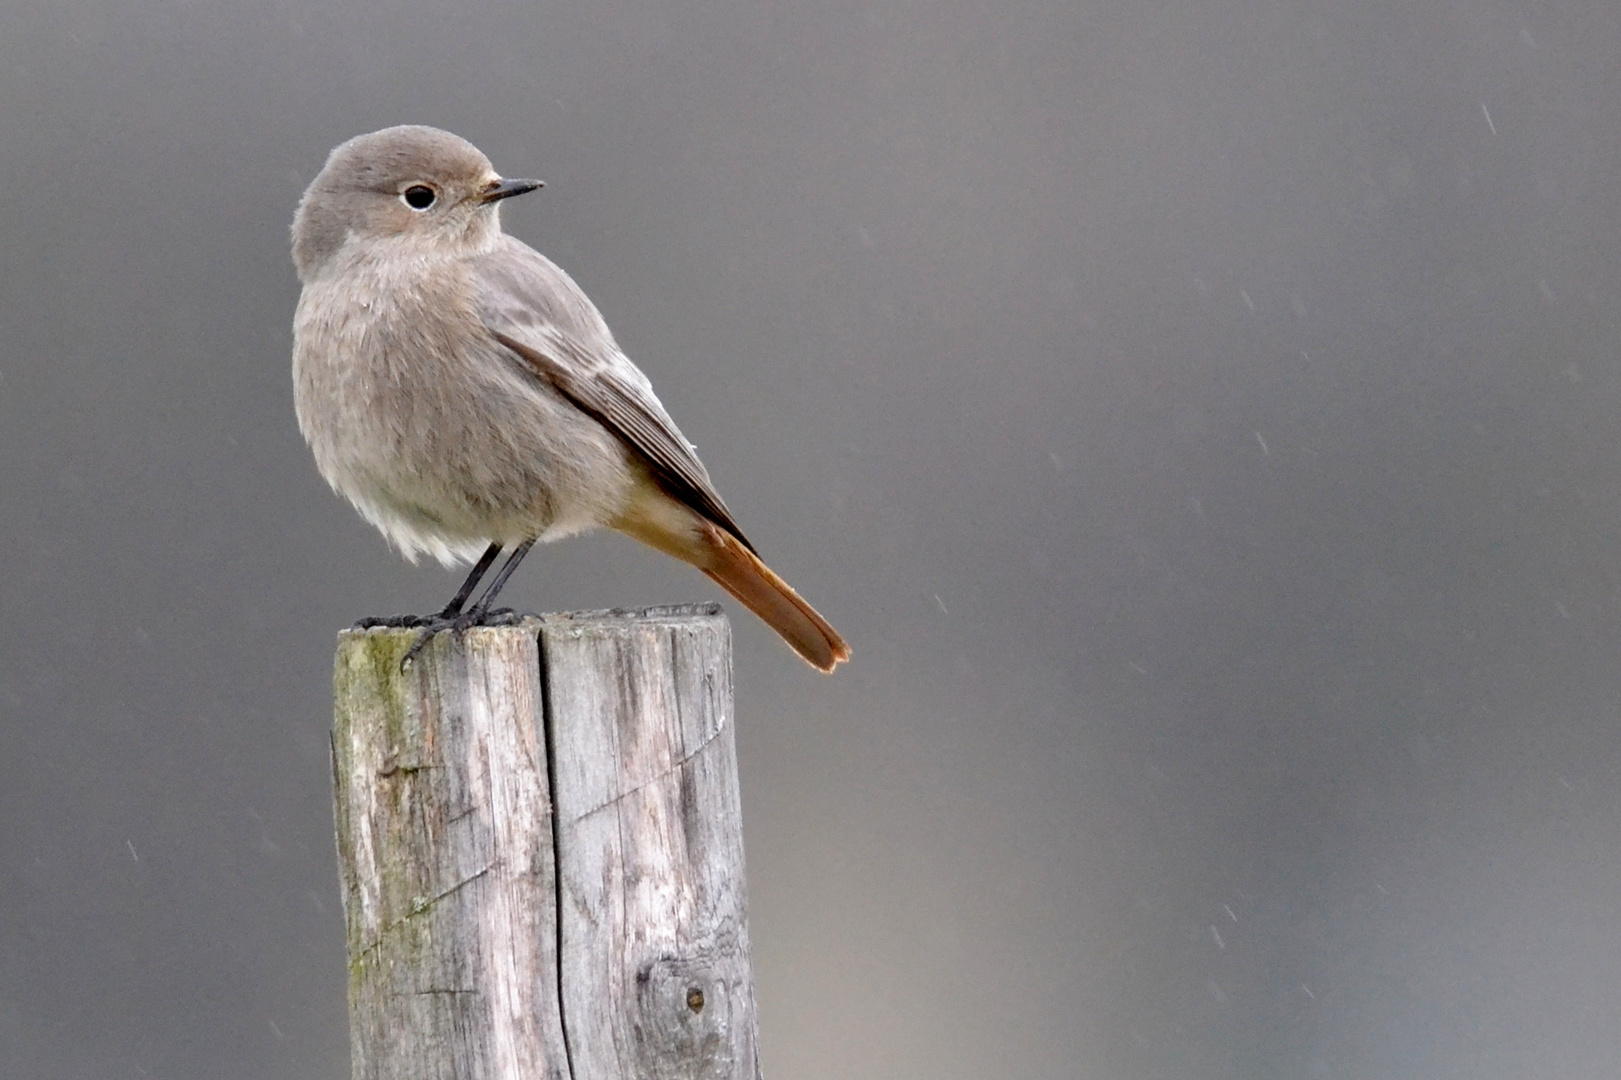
655, 956
454, 857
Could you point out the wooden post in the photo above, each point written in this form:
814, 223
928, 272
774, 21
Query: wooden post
542, 853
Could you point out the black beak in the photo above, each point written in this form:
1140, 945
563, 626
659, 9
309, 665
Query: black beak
506, 189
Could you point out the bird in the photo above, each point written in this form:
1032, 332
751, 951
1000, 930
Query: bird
464, 394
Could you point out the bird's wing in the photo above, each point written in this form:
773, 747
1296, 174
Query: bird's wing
534, 309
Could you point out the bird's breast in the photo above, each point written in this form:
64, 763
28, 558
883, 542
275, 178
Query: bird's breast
431, 427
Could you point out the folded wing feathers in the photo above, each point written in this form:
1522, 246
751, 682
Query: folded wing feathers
632, 414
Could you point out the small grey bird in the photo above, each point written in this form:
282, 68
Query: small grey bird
463, 393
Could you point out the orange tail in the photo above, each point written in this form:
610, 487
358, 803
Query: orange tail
676, 529
737, 570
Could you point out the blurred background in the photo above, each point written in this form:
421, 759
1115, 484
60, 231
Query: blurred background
1201, 417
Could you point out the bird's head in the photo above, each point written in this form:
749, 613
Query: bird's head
411, 183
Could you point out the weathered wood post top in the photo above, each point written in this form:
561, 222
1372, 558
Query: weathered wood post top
542, 852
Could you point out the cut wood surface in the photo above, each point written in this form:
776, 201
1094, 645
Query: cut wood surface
655, 954
541, 849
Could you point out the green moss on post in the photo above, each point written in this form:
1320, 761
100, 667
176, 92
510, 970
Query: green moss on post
492, 936
444, 838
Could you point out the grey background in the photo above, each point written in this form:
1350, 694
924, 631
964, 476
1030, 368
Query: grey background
1200, 417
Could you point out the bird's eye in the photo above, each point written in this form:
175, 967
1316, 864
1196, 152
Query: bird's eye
418, 196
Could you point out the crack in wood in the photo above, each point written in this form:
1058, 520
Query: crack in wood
609, 946
663, 774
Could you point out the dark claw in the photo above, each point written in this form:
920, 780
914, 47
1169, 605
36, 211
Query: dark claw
396, 622
430, 625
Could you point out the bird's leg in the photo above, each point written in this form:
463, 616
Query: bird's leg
441, 619
454, 619
480, 568
481, 610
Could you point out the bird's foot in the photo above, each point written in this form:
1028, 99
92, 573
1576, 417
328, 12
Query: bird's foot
397, 622
430, 625
501, 616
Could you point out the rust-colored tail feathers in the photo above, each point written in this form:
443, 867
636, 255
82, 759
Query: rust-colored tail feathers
740, 572
675, 528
